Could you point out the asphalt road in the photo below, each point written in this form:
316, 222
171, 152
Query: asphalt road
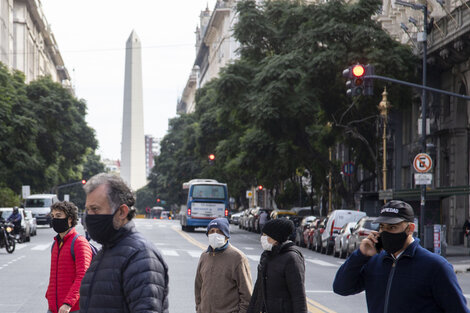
24, 275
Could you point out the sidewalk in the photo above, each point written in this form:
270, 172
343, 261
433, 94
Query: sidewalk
459, 257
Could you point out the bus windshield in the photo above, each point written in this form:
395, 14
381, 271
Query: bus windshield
208, 192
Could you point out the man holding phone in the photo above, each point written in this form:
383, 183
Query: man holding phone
397, 274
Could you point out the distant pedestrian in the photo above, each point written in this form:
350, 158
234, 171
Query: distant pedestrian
403, 276
280, 286
263, 219
466, 227
223, 278
128, 274
66, 272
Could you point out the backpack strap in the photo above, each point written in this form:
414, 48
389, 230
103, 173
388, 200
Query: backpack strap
72, 246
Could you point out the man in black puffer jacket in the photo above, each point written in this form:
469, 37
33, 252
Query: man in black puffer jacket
280, 286
128, 274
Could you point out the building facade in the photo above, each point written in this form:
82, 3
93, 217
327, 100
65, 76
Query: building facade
27, 43
215, 48
152, 149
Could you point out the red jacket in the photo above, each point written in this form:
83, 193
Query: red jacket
66, 274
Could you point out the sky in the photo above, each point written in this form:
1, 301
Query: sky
91, 36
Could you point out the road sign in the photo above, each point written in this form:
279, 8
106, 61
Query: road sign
423, 178
348, 168
422, 163
249, 194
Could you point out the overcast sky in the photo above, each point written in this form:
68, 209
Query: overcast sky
92, 34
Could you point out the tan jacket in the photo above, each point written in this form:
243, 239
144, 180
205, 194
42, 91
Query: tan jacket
223, 282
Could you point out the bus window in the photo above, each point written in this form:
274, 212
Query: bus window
208, 192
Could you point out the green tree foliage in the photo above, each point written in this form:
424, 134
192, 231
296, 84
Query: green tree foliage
8, 198
282, 104
44, 136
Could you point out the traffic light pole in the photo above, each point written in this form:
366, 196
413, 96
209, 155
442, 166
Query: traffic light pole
424, 116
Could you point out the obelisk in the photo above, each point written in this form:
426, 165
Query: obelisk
133, 139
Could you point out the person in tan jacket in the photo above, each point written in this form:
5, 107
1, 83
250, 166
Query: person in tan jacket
223, 278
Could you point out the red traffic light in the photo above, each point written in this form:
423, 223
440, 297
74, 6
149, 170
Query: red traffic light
358, 70
260, 187
212, 157
158, 200
83, 181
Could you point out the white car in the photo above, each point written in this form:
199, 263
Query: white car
25, 232
342, 240
234, 219
32, 222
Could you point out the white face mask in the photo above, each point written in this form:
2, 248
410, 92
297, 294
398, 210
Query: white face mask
216, 240
265, 244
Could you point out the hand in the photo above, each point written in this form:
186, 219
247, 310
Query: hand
367, 246
65, 308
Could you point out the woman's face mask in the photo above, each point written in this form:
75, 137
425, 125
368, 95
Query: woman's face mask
265, 243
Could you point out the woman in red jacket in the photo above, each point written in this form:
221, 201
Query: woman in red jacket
67, 267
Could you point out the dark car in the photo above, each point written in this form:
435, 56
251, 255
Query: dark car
299, 230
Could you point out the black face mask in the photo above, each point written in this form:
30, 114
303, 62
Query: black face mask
393, 242
100, 227
60, 225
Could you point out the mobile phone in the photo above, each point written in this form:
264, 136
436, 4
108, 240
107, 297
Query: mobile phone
378, 245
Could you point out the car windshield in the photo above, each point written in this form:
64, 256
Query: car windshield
6, 213
208, 192
38, 203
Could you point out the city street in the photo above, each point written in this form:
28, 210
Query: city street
25, 273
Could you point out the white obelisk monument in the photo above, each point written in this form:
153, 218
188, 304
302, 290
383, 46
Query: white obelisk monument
133, 139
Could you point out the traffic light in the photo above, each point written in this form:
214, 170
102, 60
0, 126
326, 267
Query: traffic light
83, 181
211, 158
355, 75
369, 82
260, 187
158, 200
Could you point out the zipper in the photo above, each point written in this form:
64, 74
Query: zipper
389, 284
56, 276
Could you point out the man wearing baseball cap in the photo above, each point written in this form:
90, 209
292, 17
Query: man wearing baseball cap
223, 277
397, 274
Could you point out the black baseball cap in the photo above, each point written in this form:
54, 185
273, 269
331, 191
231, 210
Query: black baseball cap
394, 212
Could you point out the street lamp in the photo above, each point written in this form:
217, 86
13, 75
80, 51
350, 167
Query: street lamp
423, 39
384, 106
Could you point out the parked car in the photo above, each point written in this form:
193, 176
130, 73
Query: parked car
32, 223
253, 219
360, 231
241, 221
282, 213
257, 224
299, 230
342, 240
317, 235
25, 233
336, 221
235, 218
308, 232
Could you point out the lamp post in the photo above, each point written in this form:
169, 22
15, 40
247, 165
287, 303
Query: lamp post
384, 106
422, 38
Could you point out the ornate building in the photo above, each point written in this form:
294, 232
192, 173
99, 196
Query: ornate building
27, 42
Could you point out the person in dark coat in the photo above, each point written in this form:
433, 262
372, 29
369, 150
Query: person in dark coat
280, 286
128, 274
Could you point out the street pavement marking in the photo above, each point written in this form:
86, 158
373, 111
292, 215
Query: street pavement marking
42, 247
161, 243
315, 307
12, 261
189, 238
322, 263
169, 252
249, 248
253, 257
194, 253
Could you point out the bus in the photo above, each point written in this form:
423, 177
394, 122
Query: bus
207, 199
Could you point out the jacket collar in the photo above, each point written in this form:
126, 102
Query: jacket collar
409, 252
216, 250
121, 234
70, 233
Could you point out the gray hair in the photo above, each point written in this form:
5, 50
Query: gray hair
118, 192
